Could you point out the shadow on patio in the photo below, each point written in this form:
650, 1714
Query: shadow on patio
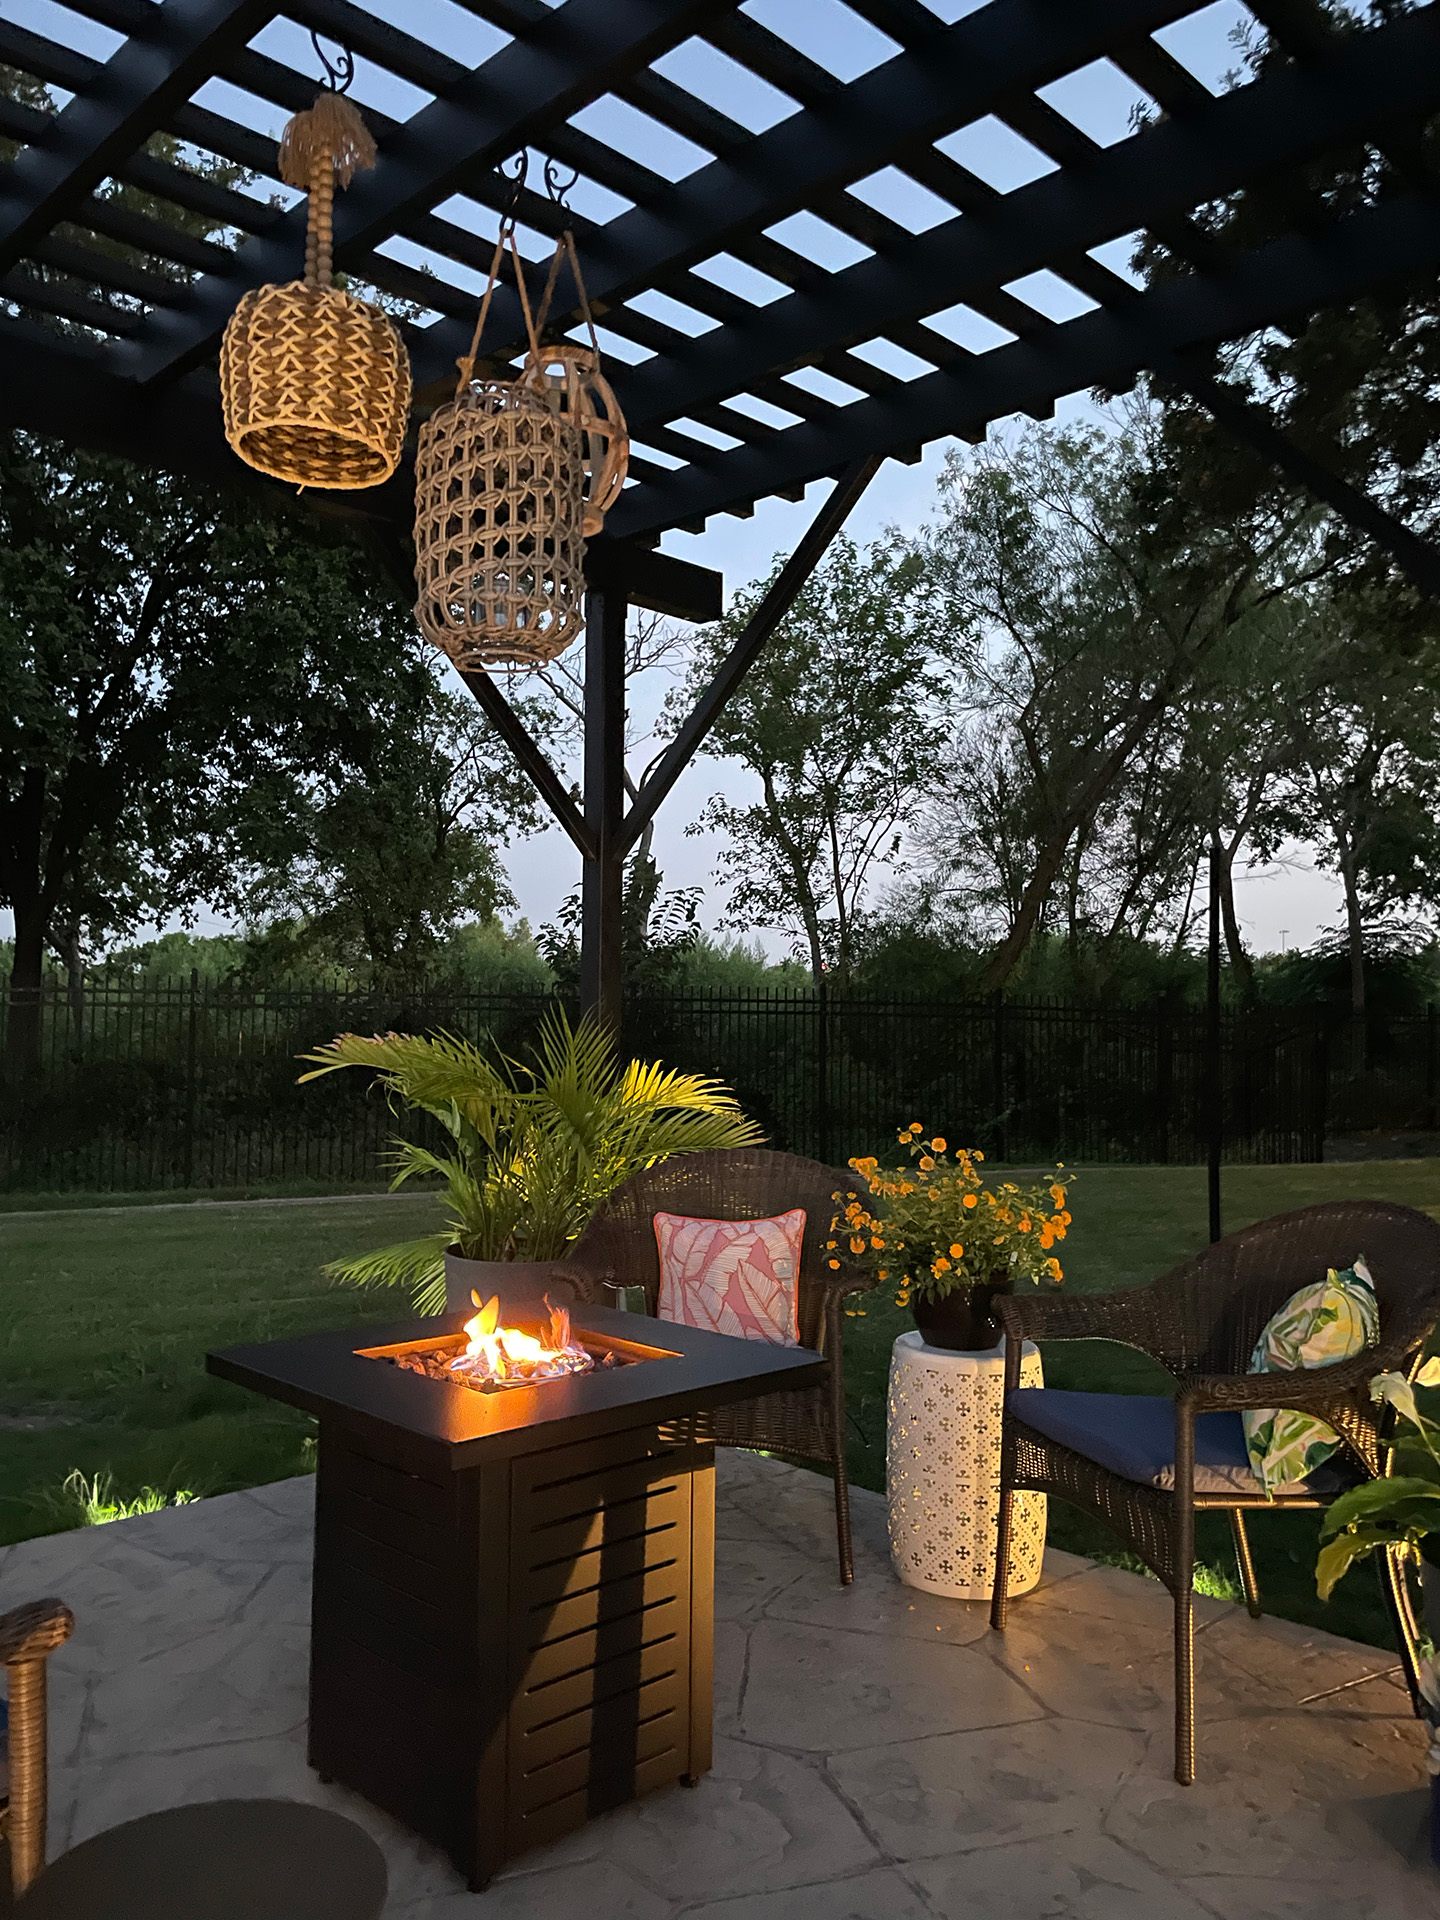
880, 1755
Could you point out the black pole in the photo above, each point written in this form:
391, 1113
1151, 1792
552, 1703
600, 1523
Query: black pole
1214, 1084
603, 881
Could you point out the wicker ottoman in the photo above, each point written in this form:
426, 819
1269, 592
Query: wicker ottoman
943, 1470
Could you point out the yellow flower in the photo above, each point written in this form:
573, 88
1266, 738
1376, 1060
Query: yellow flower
957, 1252
937, 1145
978, 1154
829, 1246
926, 1163
857, 1246
875, 1242
1057, 1194
835, 1264
969, 1201
942, 1265
1052, 1267
1025, 1223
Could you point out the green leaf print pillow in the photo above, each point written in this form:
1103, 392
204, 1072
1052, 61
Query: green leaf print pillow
1318, 1326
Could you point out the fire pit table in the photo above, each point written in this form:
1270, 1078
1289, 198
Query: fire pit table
513, 1604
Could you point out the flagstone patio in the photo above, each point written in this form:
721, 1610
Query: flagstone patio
880, 1755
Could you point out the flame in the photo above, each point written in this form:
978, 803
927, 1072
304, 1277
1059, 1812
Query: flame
504, 1356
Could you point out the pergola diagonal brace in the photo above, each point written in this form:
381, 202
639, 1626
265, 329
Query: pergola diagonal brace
584, 48
772, 609
138, 90
1416, 557
542, 775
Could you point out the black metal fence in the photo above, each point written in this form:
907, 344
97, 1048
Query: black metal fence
194, 1083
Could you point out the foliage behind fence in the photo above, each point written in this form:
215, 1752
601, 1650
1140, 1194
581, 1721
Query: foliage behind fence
193, 1083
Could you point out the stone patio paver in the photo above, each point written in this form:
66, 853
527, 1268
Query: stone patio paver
880, 1755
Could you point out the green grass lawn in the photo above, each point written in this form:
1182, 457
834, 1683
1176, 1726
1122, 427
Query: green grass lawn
105, 1318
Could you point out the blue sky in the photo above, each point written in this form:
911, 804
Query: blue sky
1099, 99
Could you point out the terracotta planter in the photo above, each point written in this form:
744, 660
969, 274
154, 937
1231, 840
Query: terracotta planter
521, 1285
964, 1320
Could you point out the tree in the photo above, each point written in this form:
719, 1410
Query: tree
167, 653
1093, 589
376, 875
844, 724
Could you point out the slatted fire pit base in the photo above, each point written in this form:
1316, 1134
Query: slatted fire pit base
513, 1604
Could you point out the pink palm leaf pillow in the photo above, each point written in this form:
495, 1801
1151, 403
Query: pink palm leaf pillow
733, 1276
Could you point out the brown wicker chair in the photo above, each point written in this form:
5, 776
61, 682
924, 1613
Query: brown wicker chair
1201, 1322
745, 1183
28, 1636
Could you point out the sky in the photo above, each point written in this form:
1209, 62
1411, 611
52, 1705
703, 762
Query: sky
1282, 906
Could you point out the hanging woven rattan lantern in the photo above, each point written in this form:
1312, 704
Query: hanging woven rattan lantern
498, 527
501, 509
315, 383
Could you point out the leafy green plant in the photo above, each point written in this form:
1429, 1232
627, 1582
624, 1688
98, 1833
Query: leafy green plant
1397, 1511
535, 1149
93, 1503
937, 1229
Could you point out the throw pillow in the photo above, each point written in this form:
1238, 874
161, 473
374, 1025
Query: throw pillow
1317, 1326
732, 1276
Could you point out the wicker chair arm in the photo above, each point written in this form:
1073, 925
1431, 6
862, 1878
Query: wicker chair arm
1127, 1317
34, 1630
588, 1277
1308, 1390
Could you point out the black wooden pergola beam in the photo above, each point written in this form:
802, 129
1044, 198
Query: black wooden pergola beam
1290, 276
1281, 120
527, 88
139, 87
955, 75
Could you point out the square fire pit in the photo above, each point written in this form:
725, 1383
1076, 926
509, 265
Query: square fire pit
513, 1607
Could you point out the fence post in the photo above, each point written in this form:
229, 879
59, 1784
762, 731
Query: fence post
1164, 1066
822, 1072
190, 1087
997, 1070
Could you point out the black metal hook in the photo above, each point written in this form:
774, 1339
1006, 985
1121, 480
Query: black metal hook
339, 73
515, 181
552, 182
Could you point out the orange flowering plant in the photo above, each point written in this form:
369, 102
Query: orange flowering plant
935, 1228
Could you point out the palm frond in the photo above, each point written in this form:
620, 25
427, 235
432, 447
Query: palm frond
418, 1264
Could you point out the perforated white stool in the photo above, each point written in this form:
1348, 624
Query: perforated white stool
942, 1461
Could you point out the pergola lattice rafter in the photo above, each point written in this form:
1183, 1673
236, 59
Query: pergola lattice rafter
111, 314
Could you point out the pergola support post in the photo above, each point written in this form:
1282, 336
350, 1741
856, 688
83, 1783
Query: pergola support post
603, 883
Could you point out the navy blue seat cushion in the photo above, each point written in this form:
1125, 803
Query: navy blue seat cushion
1133, 1434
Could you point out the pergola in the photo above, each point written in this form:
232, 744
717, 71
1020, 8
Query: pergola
112, 317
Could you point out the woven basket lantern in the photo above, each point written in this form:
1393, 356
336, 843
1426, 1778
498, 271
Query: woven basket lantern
573, 385
499, 477
510, 478
315, 384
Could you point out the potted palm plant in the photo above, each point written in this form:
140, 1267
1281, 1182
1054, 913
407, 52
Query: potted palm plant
950, 1243
533, 1150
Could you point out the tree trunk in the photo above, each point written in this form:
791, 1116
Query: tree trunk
1355, 932
20, 873
1239, 958
75, 981
26, 981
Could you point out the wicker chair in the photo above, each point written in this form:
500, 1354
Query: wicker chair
745, 1183
1201, 1322
28, 1636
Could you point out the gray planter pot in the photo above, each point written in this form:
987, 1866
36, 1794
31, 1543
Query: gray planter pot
521, 1285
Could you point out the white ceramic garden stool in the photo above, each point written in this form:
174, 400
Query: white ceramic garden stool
942, 1461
